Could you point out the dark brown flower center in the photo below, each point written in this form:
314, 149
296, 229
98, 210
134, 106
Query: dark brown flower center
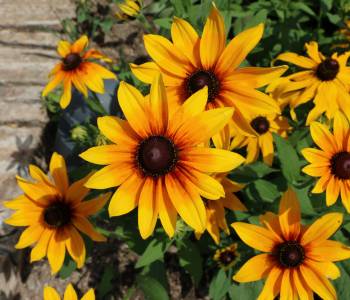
71, 61
340, 165
327, 69
156, 156
227, 257
290, 254
260, 125
199, 80
58, 214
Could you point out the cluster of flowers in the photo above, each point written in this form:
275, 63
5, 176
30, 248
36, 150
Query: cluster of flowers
161, 160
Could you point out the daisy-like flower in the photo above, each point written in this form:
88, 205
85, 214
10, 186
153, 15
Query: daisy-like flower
325, 80
70, 294
190, 62
77, 68
299, 260
128, 9
260, 138
158, 161
54, 212
227, 257
332, 162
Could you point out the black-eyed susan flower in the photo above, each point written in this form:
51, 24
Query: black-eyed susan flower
325, 80
128, 9
156, 160
70, 294
190, 62
227, 257
260, 138
54, 212
332, 161
77, 69
298, 260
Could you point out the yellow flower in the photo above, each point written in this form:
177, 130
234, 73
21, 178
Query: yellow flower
325, 80
70, 294
332, 161
227, 257
156, 160
54, 212
77, 69
190, 62
298, 259
128, 8
261, 140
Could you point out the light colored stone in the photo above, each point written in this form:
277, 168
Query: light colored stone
20, 93
21, 112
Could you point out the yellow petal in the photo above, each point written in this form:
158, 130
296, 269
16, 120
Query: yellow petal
211, 159
298, 60
63, 48
326, 268
56, 251
255, 236
51, 294
86, 227
322, 137
77, 191
266, 145
76, 247
167, 211
101, 71
40, 249
148, 208
332, 191
213, 39
90, 207
255, 268
316, 156
329, 251
145, 72
126, 198
70, 293
341, 130
286, 286
272, 285
238, 49
29, 236
304, 291
322, 228
58, 171
80, 44
90, 295
56, 80
312, 51
186, 39
67, 93
108, 154
132, 104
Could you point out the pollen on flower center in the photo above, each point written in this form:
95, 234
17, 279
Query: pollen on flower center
290, 254
58, 214
260, 124
327, 69
199, 80
340, 165
71, 61
156, 156
227, 257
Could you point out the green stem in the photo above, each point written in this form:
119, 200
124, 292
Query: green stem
142, 18
95, 105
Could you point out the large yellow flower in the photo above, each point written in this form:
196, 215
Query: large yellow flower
261, 140
54, 213
70, 294
77, 69
299, 259
332, 161
189, 63
157, 161
325, 80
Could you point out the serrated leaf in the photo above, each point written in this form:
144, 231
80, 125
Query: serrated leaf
245, 291
67, 269
154, 251
266, 190
151, 288
251, 172
219, 286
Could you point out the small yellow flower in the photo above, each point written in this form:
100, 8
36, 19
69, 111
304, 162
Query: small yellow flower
227, 257
70, 294
128, 8
77, 69
54, 212
261, 138
298, 259
325, 80
332, 162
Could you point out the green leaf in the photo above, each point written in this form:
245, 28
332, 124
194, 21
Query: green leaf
68, 268
151, 288
245, 291
191, 259
219, 286
163, 22
266, 190
106, 285
251, 172
302, 6
343, 282
290, 164
154, 251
